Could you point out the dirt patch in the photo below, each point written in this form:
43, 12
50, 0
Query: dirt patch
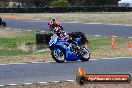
112, 53
14, 16
9, 33
26, 58
100, 17
27, 47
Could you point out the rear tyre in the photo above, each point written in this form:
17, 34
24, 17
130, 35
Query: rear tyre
85, 54
58, 57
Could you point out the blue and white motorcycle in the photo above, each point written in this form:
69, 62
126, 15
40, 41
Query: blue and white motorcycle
61, 50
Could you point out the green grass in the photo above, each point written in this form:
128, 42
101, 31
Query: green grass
96, 43
10, 43
4, 52
14, 41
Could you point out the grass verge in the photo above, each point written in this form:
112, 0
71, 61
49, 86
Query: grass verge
11, 42
18, 46
100, 47
99, 17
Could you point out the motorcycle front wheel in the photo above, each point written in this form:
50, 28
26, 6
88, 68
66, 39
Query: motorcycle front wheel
85, 54
58, 55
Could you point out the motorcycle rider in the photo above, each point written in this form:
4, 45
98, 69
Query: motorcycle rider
54, 23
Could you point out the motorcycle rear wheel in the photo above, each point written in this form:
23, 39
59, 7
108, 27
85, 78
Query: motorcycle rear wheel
60, 58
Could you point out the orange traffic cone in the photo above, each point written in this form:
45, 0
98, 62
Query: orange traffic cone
113, 42
129, 45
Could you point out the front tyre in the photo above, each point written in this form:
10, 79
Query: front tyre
58, 55
85, 54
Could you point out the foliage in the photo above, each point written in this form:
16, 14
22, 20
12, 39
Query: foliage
60, 3
45, 3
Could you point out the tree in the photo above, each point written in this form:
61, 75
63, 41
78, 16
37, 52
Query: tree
46, 3
60, 3
41, 3
4, 3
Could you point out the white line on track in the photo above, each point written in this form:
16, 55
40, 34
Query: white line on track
38, 83
1, 85
12, 84
123, 57
19, 63
108, 58
28, 83
56, 81
109, 24
42, 62
70, 80
129, 37
97, 35
17, 29
49, 61
43, 82
125, 25
14, 64
37, 21
37, 62
115, 24
42, 31
29, 30
8, 28
29, 63
72, 22
92, 23
115, 36
93, 59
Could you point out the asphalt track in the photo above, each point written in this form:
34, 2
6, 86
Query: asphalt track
88, 28
48, 72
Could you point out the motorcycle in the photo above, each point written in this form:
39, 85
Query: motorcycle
3, 23
61, 50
